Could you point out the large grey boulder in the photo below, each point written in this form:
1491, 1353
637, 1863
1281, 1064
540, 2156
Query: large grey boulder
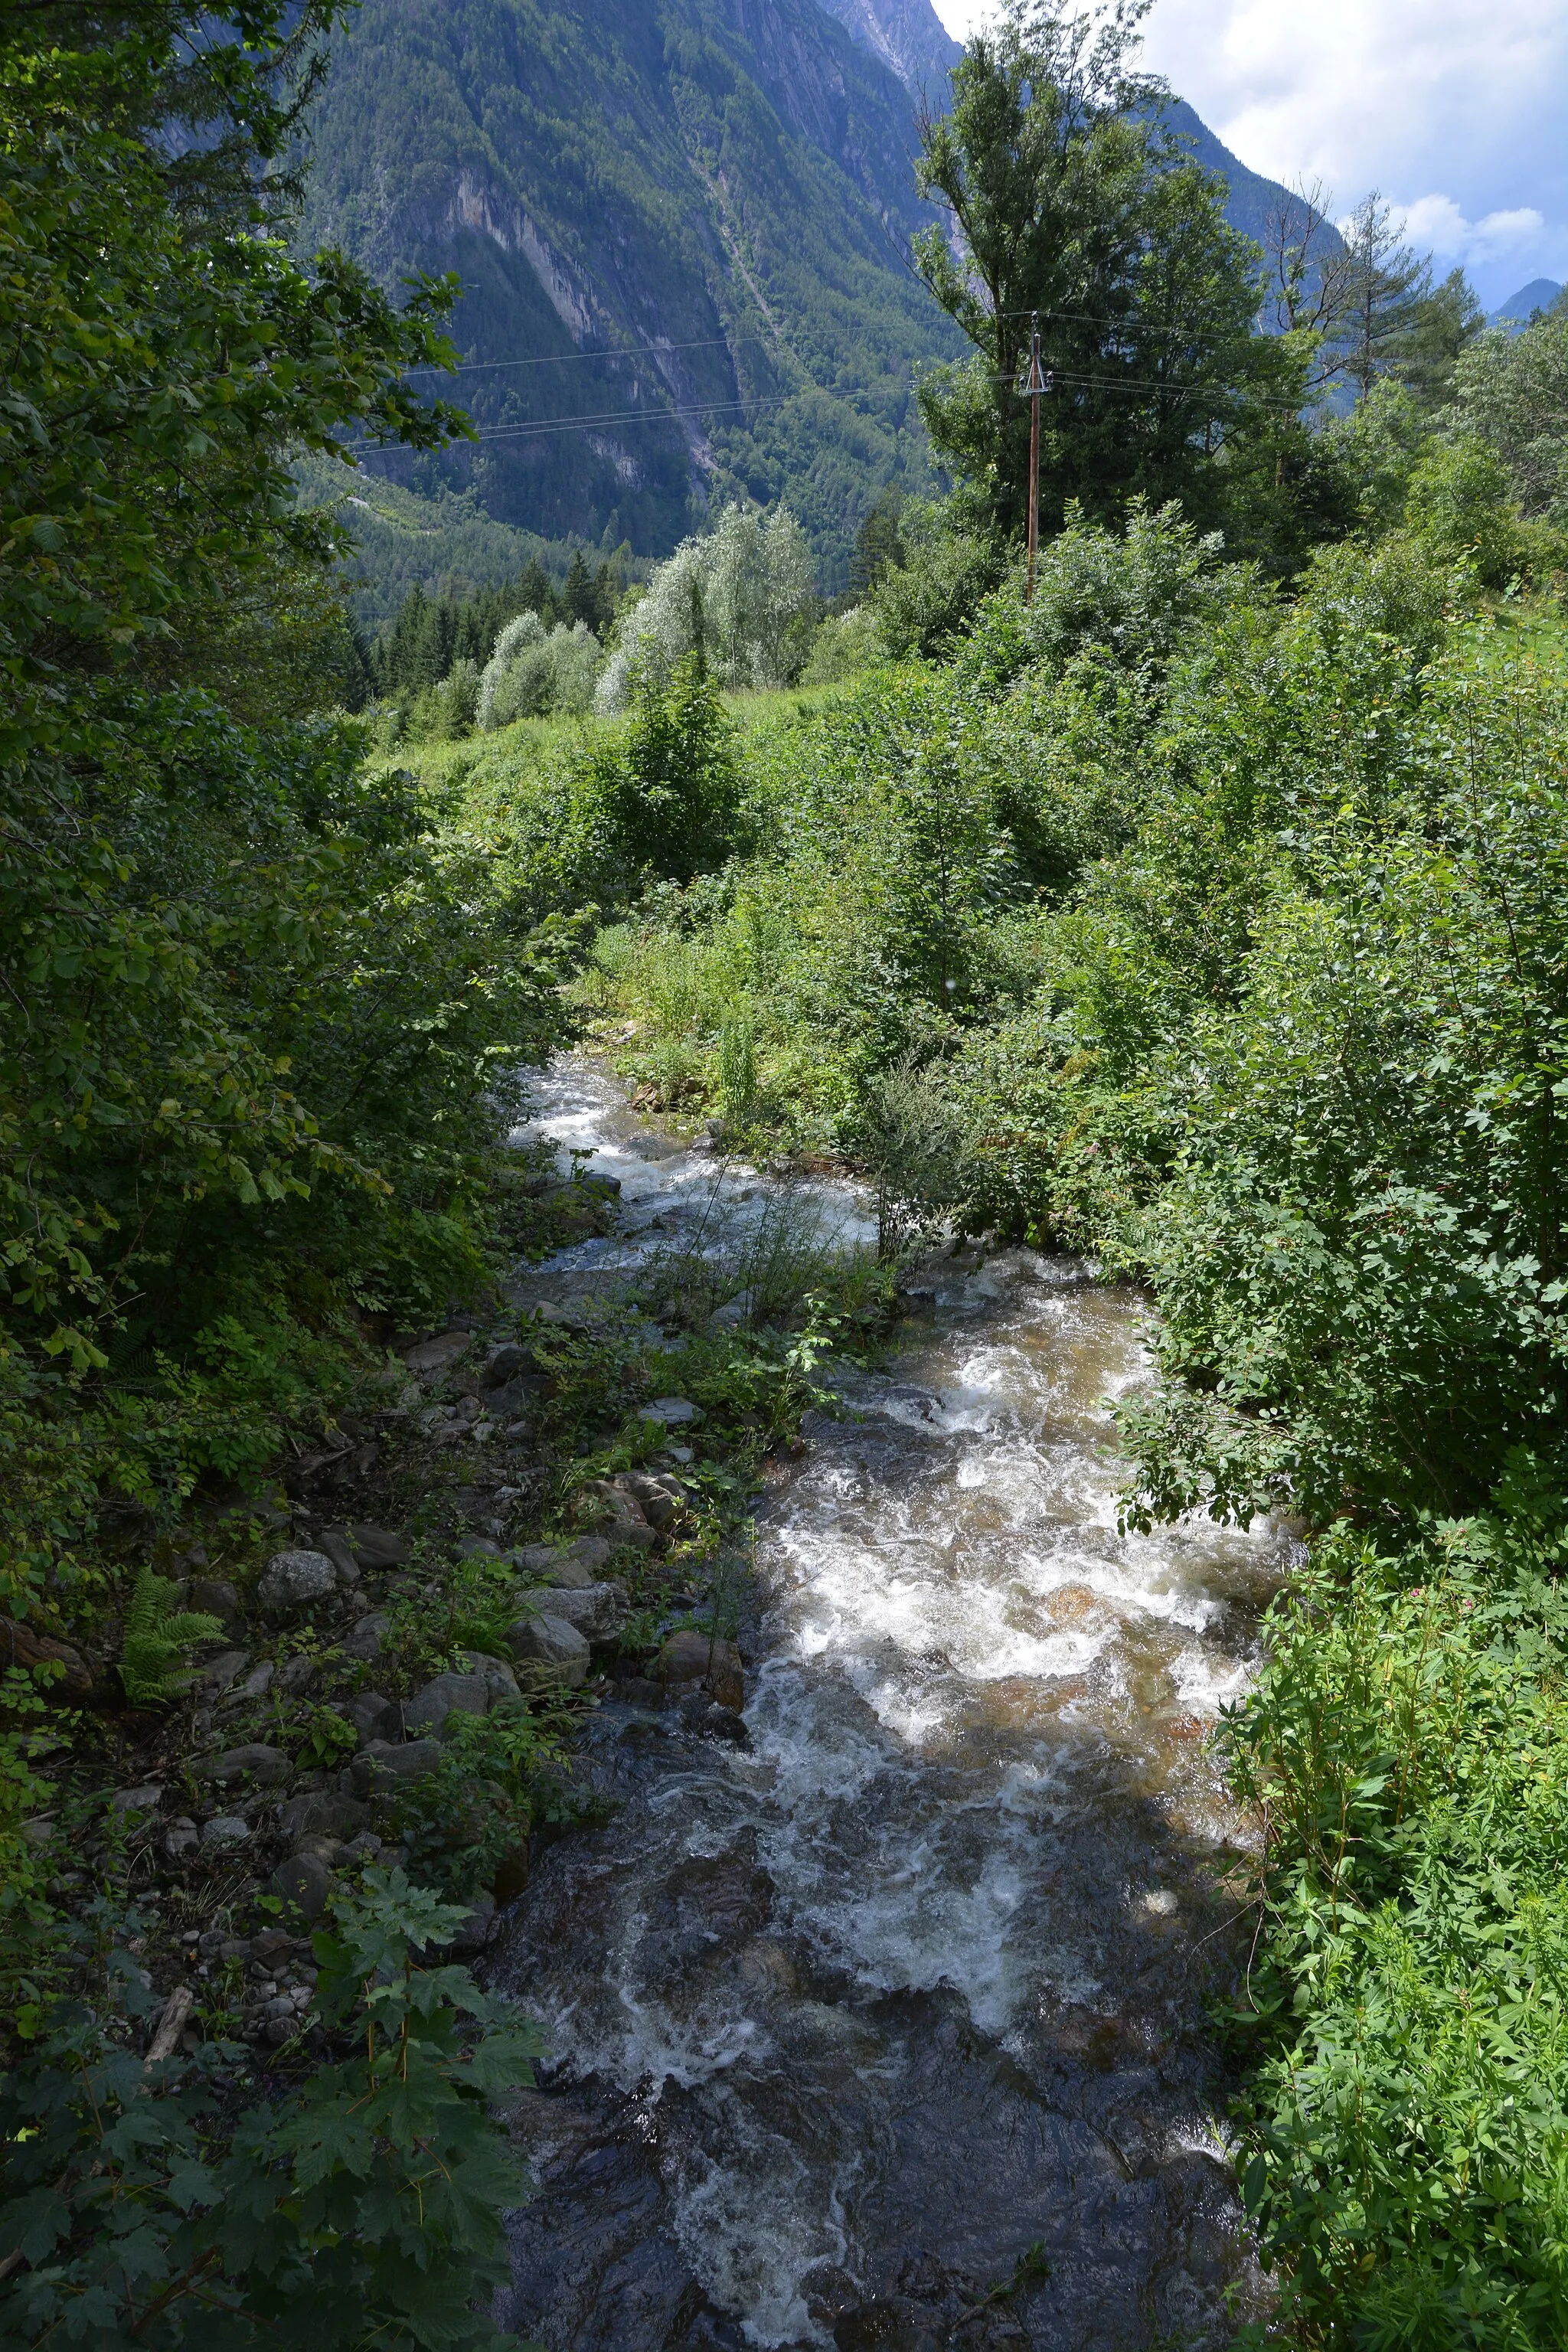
366, 1640
570, 1567
598, 1611
449, 1693
357, 1551
293, 1580
323, 1814
519, 1393
305, 1883
672, 1412
506, 1363
214, 1596
374, 1717
375, 1549
549, 1645
340, 1551
383, 1765
662, 1497
254, 1762
434, 1355
498, 1677
629, 1524
143, 1800
734, 1312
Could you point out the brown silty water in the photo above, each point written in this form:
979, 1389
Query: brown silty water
887, 2027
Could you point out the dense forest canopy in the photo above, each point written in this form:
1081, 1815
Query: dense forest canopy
1203, 913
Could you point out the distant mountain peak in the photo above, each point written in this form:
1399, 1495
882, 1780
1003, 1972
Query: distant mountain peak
907, 34
1539, 295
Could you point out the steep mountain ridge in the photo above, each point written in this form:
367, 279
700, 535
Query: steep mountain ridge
907, 34
682, 230
1516, 312
1252, 200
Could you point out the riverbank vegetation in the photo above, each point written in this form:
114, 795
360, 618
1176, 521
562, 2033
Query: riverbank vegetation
270, 1434
1206, 914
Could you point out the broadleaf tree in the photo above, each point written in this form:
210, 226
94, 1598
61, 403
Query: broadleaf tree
1071, 202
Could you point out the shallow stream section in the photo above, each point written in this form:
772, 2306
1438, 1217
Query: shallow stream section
887, 2027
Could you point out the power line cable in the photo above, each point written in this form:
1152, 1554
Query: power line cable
611, 416
611, 351
534, 428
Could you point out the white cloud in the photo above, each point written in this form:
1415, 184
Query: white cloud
961, 16
1436, 223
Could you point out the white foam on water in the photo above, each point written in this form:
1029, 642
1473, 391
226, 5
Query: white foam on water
960, 1542
1205, 1681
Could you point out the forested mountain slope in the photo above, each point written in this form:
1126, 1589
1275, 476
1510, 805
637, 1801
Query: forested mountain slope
683, 224
1253, 201
682, 227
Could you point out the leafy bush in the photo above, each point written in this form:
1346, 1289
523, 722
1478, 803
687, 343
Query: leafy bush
1409, 2108
1511, 392
844, 644
366, 2207
500, 1775
1459, 507
1136, 593
925, 604
531, 672
672, 791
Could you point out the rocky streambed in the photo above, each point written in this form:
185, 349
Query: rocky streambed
879, 2020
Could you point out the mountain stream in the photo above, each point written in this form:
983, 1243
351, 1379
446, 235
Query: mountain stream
887, 2028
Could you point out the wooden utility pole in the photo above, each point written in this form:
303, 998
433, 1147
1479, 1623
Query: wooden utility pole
1032, 391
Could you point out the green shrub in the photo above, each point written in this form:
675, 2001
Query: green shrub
1408, 2111
929, 601
501, 1776
365, 2208
672, 791
844, 644
1138, 594
1459, 508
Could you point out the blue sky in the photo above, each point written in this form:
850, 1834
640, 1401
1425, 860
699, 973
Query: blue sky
1456, 109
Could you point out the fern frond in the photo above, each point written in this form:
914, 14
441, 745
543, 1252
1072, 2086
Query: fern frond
152, 1671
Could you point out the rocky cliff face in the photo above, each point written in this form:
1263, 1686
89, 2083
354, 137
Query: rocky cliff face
907, 34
